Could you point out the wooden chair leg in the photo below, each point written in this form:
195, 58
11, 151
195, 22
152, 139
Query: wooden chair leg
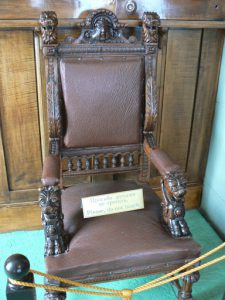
49, 295
185, 289
53, 295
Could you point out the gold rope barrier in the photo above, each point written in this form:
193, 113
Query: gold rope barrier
73, 283
126, 294
183, 267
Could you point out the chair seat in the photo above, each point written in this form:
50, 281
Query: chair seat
120, 245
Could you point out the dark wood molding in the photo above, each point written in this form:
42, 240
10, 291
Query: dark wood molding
33, 24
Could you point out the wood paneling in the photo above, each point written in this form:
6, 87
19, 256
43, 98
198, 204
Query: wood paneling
167, 9
178, 9
183, 50
23, 217
33, 24
212, 45
19, 115
3, 174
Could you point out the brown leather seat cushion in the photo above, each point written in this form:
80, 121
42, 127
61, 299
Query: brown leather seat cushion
133, 242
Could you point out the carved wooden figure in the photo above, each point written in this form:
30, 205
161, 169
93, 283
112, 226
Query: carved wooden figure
106, 84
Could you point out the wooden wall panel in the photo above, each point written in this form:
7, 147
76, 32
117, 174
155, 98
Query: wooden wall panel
167, 9
182, 61
212, 45
19, 115
3, 173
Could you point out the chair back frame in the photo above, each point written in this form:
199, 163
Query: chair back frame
101, 34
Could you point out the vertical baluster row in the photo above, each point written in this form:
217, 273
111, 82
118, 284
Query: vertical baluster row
109, 161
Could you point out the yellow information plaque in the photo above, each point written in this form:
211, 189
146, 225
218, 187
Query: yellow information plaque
112, 203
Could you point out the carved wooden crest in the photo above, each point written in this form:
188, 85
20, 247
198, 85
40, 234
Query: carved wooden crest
101, 26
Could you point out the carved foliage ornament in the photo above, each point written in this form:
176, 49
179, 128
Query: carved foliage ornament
49, 22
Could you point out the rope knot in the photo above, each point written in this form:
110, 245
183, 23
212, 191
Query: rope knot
127, 294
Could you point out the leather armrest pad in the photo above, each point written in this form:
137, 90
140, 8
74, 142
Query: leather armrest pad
163, 162
51, 170
160, 159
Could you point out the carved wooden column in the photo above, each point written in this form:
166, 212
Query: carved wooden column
185, 286
50, 193
151, 23
49, 22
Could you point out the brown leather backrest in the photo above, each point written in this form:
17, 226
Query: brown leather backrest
103, 100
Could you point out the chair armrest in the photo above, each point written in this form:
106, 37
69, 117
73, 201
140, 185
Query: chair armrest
161, 160
173, 186
51, 170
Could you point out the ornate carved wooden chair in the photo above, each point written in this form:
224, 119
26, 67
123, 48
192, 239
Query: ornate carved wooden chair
102, 107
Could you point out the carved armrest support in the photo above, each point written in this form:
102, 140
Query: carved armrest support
173, 186
51, 209
51, 170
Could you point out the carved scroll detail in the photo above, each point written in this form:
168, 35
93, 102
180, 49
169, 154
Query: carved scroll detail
52, 220
49, 22
151, 24
53, 107
101, 26
173, 210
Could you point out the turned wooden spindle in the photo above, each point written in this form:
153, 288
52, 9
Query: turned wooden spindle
130, 160
122, 161
87, 164
70, 165
114, 161
105, 162
79, 164
96, 163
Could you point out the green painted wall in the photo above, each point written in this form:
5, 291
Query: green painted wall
213, 201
